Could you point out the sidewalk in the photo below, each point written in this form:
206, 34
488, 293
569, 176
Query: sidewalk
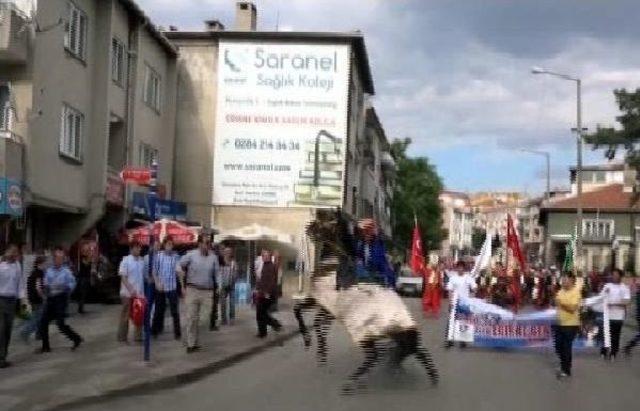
102, 368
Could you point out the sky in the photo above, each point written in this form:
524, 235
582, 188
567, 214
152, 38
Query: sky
455, 75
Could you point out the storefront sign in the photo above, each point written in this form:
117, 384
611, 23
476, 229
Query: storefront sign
172, 210
136, 175
281, 124
11, 202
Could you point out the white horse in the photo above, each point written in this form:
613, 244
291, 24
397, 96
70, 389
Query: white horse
369, 312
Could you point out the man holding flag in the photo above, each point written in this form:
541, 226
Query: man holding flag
430, 277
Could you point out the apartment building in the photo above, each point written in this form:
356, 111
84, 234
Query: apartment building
273, 126
87, 87
457, 223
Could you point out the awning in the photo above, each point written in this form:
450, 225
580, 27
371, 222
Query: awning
254, 232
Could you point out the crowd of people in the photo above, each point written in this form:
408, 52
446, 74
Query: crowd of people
539, 289
203, 279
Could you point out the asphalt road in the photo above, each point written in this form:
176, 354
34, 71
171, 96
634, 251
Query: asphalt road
287, 378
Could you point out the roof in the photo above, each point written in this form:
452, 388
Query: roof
133, 7
608, 198
457, 194
355, 39
601, 167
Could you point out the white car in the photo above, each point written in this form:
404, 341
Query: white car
409, 284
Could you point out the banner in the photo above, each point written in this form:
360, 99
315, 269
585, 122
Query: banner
281, 124
487, 325
483, 260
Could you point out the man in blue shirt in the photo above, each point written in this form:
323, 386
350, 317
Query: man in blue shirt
166, 282
58, 283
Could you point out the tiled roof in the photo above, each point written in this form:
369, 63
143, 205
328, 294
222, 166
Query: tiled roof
611, 198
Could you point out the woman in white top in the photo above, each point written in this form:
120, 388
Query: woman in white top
616, 295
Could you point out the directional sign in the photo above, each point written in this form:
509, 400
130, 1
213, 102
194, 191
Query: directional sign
140, 176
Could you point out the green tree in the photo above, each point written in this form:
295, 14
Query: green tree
627, 136
416, 194
478, 235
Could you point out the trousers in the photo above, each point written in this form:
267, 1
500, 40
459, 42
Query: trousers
228, 303
161, 299
564, 336
7, 313
123, 324
263, 316
197, 300
56, 310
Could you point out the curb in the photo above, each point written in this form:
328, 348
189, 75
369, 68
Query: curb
173, 381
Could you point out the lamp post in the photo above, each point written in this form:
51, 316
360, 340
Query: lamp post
579, 131
547, 157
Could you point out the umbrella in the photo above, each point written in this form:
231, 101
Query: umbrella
179, 233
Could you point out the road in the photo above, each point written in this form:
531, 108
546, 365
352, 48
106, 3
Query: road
287, 378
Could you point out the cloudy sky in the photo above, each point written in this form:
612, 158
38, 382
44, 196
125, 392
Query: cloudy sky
454, 75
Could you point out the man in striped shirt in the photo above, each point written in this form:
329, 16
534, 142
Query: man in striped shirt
164, 276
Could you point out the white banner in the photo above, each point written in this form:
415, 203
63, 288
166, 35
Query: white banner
281, 124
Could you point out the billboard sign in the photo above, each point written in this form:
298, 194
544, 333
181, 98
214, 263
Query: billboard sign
281, 124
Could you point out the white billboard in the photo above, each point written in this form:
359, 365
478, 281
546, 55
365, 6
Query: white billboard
281, 124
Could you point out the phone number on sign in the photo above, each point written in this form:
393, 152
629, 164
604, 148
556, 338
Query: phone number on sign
279, 145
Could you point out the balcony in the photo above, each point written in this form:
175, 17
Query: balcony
14, 34
11, 156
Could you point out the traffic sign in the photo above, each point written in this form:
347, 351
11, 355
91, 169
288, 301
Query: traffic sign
137, 175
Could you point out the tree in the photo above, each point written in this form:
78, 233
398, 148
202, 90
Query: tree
416, 193
478, 235
628, 136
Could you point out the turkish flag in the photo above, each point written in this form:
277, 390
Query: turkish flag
417, 256
513, 244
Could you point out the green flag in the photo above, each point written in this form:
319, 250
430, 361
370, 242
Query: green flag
569, 254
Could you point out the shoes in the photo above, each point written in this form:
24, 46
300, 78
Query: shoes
627, 351
193, 349
224, 322
562, 375
277, 328
5, 364
463, 345
43, 350
261, 336
76, 344
177, 337
448, 344
213, 328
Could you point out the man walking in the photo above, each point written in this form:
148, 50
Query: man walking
59, 282
568, 309
165, 279
266, 290
11, 289
461, 284
228, 277
132, 274
616, 295
35, 296
197, 270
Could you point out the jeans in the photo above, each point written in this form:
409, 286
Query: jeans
7, 313
32, 324
56, 310
161, 306
228, 297
215, 301
263, 316
564, 336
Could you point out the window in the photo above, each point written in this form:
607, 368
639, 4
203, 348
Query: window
596, 228
71, 133
75, 39
147, 155
117, 61
152, 88
7, 112
600, 176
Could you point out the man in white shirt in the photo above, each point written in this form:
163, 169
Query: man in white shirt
461, 284
132, 275
616, 295
11, 289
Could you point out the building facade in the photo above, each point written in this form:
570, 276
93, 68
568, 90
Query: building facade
91, 85
457, 223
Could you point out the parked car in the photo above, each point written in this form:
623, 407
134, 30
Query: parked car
408, 283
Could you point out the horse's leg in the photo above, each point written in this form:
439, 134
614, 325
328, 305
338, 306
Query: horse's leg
318, 324
371, 357
297, 312
424, 356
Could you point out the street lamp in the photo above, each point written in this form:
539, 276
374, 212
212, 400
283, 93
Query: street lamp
547, 156
579, 130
